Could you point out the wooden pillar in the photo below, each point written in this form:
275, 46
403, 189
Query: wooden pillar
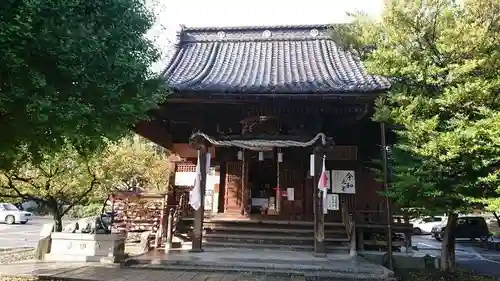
352, 243
170, 226
244, 185
319, 217
200, 213
278, 187
360, 235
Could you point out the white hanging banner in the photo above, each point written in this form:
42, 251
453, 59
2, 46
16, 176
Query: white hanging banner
325, 198
195, 193
333, 202
343, 181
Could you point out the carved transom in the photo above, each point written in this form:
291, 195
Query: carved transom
264, 125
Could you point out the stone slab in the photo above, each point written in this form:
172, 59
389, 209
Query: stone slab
269, 262
106, 248
101, 273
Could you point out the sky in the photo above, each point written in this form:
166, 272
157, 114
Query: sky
173, 13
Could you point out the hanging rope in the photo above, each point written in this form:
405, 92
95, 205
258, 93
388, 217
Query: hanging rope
261, 144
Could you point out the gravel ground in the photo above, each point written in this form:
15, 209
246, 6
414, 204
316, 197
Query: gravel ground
16, 255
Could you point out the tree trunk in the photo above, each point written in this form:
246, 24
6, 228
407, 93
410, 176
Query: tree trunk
57, 218
497, 218
448, 244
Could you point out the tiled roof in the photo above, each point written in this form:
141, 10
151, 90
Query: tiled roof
279, 59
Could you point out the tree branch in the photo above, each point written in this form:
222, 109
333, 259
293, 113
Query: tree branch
82, 196
496, 217
18, 193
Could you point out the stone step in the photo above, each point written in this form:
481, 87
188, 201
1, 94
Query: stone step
253, 229
340, 270
288, 242
265, 274
271, 236
233, 244
295, 247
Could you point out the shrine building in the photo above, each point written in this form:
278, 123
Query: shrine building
260, 101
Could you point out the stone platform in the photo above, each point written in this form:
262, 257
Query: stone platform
268, 262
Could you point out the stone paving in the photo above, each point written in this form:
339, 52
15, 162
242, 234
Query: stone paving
80, 272
214, 264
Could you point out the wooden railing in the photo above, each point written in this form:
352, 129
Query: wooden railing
350, 227
174, 216
379, 217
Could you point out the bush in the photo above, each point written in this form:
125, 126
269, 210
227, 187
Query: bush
83, 211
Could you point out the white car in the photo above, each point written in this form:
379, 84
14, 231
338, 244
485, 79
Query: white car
424, 225
10, 214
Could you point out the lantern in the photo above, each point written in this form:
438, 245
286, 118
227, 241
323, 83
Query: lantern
280, 156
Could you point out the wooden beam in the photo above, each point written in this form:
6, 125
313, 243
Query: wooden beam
199, 214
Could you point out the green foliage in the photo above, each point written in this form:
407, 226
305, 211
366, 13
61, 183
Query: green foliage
69, 182
135, 163
84, 211
73, 71
444, 102
59, 180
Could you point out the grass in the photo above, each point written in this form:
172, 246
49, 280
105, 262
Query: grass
436, 275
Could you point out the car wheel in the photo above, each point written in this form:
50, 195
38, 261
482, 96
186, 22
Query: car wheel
24, 222
439, 238
10, 220
417, 231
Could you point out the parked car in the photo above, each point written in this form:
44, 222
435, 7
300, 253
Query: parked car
10, 214
424, 225
467, 227
493, 242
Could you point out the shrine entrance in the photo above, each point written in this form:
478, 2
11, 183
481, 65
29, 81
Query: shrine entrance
267, 176
262, 184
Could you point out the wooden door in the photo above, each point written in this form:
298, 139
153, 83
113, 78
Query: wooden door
292, 176
233, 188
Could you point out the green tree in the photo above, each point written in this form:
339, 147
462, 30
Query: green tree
442, 59
59, 181
491, 204
69, 179
73, 71
134, 163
